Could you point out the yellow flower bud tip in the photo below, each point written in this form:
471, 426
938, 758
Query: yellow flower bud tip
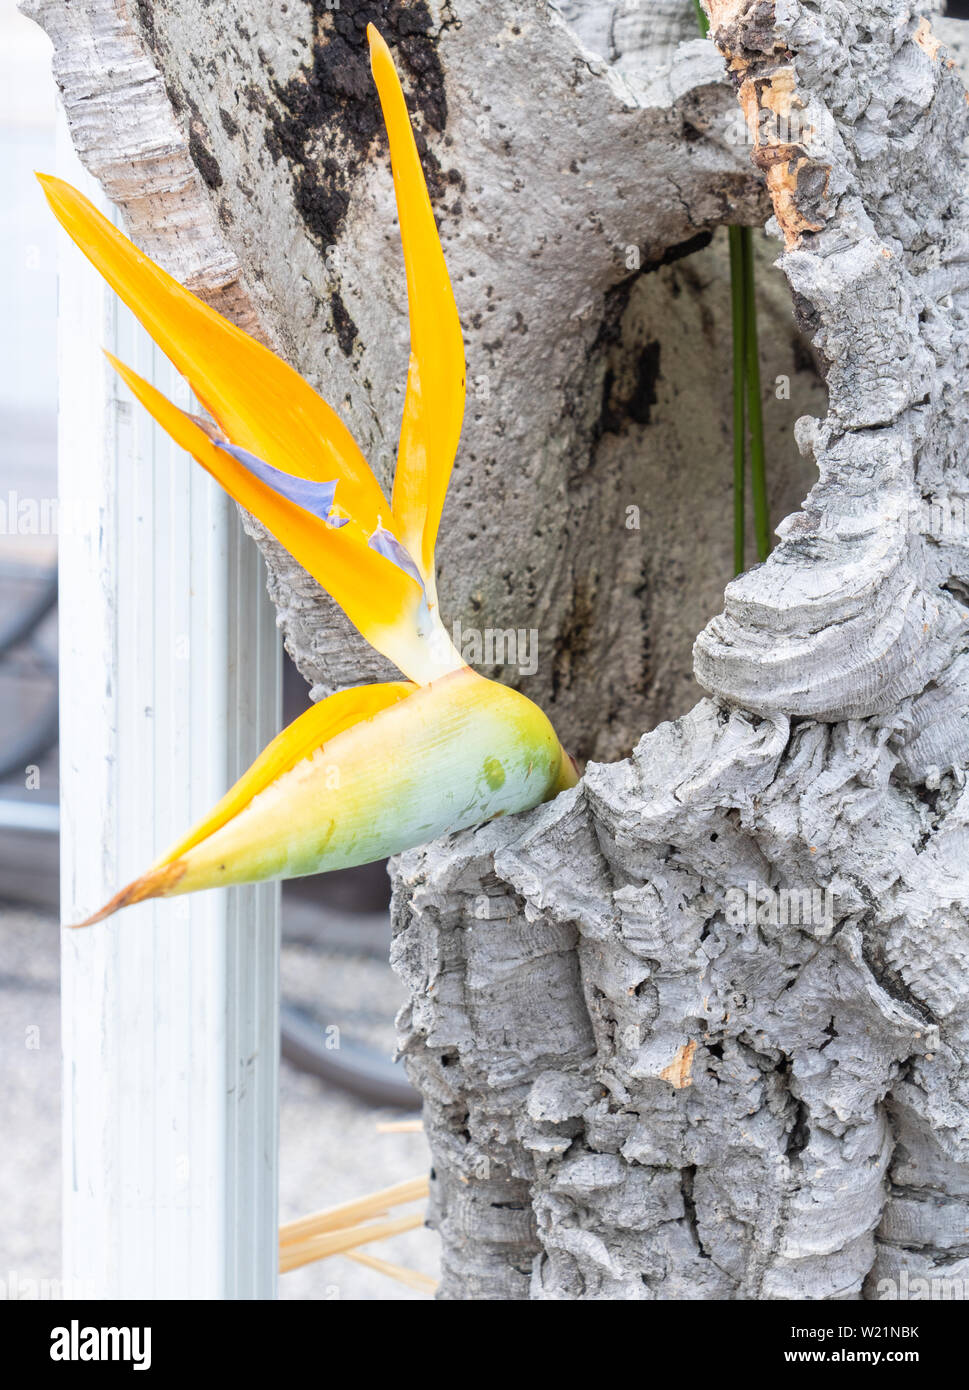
418, 762
157, 883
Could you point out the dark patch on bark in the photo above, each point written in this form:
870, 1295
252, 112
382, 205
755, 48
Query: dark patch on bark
229, 125
197, 132
629, 382
644, 393
328, 118
687, 1180
891, 980
679, 251
806, 316
572, 644
254, 97
146, 21
753, 34
203, 159
615, 304
799, 1135
344, 327
812, 185
634, 404
803, 356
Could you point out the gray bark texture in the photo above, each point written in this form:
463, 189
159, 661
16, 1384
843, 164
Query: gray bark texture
697, 1029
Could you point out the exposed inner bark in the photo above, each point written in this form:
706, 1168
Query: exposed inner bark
636, 1085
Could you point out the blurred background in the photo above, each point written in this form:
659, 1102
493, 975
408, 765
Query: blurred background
348, 1118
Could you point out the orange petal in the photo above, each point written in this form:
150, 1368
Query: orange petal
262, 404
379, 598
434, 404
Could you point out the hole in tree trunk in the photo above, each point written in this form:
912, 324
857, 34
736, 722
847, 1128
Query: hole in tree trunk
665, 434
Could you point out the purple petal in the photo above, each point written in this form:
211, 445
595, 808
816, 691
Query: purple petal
386, 544
315, 498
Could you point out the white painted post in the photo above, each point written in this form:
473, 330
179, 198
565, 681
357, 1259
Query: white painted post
169, 679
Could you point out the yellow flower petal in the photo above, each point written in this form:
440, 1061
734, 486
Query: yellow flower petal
434, 404
261, 403
312, 730
380, 599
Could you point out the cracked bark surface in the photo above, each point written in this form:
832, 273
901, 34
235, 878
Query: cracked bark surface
632, 1089
638, 1089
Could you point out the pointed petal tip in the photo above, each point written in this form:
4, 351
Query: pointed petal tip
51, 188
378, 45
127, 375
156, 883
109, 909
57, 191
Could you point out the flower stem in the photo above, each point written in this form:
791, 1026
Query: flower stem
738, 316
758, 467
747, 404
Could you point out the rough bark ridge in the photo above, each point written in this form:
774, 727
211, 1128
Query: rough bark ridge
639, 1085
245, 150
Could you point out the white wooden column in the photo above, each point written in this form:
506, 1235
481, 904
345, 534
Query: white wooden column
169, 687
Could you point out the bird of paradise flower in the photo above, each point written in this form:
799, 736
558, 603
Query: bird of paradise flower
374, 769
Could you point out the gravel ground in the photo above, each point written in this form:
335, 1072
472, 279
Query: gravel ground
29, 1096
331, 1150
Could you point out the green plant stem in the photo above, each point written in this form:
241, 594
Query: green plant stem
747, 404
755, 415
738, 319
